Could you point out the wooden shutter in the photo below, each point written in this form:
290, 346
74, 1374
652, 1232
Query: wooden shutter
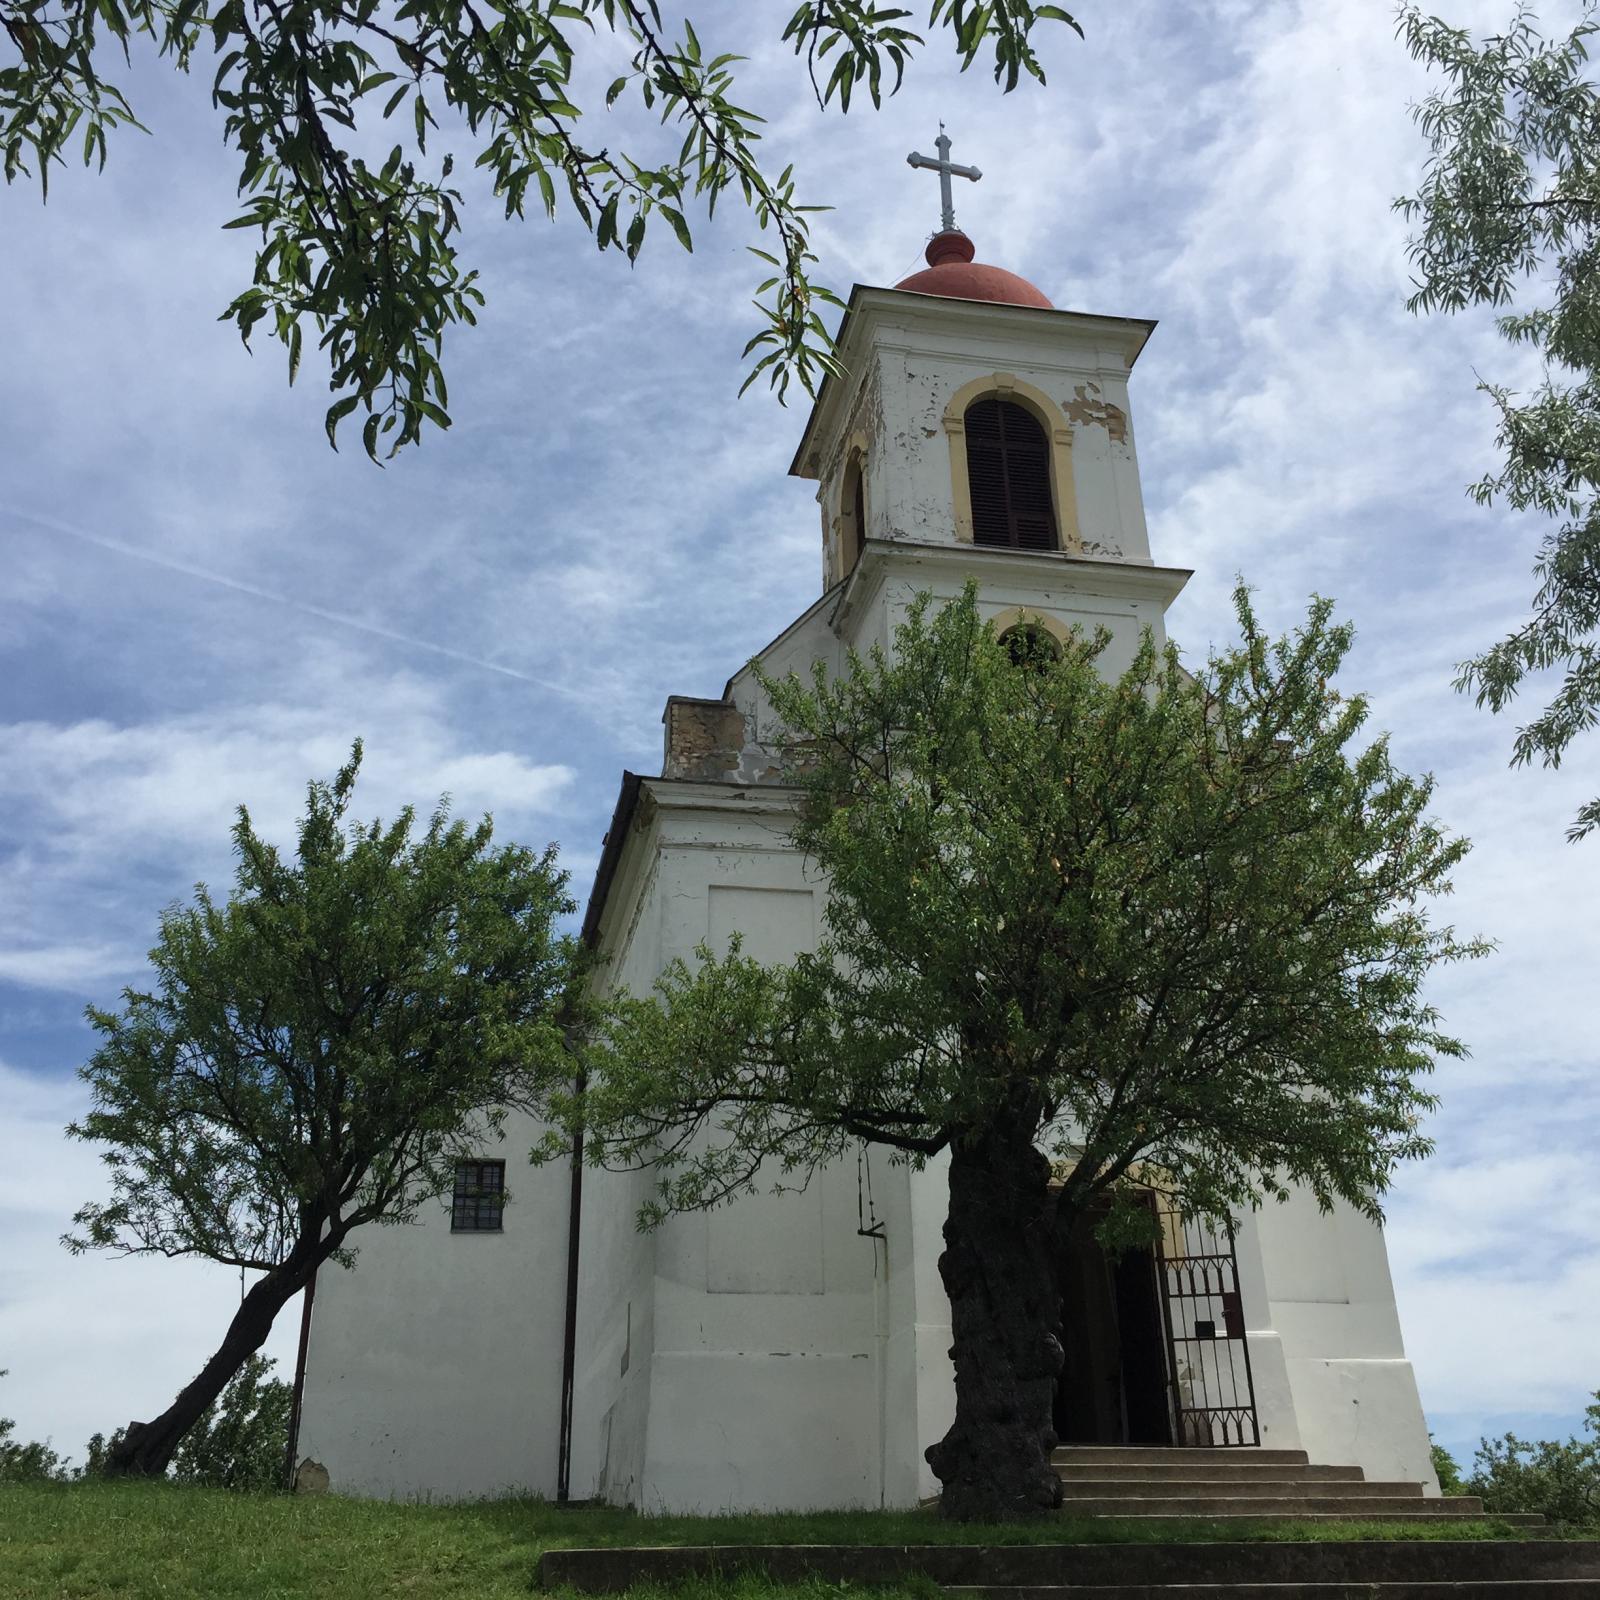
1008, 473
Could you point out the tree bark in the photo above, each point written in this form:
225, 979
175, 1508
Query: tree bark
147, 1448
1005, 1313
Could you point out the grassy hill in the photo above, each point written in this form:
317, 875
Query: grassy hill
143, 1541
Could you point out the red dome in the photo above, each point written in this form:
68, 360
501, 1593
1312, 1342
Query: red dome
952, 272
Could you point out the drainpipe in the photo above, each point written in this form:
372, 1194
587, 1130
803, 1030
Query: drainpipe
293, 1446
569, 1348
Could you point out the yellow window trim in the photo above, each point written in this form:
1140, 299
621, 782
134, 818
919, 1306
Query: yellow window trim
1003, 386
1002, 622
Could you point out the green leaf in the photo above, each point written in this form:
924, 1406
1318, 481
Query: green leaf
337, 412
679, 226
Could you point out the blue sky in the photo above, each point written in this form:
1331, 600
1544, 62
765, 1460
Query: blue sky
200, 604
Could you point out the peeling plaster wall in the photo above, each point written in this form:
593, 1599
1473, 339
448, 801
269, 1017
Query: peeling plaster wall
704, 739
862, 427
808, 640
913, 354
1070, 594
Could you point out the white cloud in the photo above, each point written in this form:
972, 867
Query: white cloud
126, 818
62, 966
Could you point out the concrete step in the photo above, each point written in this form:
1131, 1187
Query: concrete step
1150, 1452
1235, 1488
1166, 1504
1444, 1589
1205, 1471
1531, 1521
1277, 1567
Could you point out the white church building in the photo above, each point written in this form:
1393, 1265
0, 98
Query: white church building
792, 1351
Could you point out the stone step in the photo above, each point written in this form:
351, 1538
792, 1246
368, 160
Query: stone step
1205, 1471
1182, 1521
1443, 1589
1077, 1488
1161, 1452
1167, 1504
1013, 1572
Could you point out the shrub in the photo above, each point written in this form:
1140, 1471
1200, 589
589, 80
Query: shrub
96, 1454
1446, 1469
240, 1441
25, 1463
1561, 1479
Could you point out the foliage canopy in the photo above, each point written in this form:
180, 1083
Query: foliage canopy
319, 1047
1509, 210
1181, 917
361, 242
316, 1052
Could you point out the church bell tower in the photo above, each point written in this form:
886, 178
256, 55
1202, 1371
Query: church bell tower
978, 431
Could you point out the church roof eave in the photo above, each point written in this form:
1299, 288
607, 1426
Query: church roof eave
611, 855
773, 643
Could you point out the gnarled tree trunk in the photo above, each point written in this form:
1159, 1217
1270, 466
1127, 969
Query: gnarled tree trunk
1005, 1312
146, 1449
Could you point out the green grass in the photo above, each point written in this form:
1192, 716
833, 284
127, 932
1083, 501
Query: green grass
163, 1542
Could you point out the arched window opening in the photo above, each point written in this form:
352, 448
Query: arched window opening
852, 514
1031, 646
1008, 474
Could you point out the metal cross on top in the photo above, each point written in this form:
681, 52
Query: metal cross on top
946, 169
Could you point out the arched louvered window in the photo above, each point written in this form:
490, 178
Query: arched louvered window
853, 529
1008, 474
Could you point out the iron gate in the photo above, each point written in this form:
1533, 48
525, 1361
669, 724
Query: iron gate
1208, 1357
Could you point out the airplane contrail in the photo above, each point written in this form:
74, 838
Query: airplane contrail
342, 618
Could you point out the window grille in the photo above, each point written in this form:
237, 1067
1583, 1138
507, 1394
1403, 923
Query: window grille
479, 1201
1008, 474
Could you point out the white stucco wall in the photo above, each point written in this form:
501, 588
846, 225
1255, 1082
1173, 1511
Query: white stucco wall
434, 1363
1333, 1310
760, 1386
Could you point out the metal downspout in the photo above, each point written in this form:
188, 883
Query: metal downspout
569, 1348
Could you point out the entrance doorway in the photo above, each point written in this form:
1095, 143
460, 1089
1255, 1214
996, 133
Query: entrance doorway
1113, 1387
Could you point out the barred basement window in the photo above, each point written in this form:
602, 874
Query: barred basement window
1008, 476
479, 1198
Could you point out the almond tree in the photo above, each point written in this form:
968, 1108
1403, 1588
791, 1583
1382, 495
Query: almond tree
1167, 924
312, 1056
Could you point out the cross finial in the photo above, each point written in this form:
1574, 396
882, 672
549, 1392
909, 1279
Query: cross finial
946, 169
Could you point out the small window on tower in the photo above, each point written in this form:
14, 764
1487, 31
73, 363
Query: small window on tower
1031, 646
479, 1201
1008, 476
